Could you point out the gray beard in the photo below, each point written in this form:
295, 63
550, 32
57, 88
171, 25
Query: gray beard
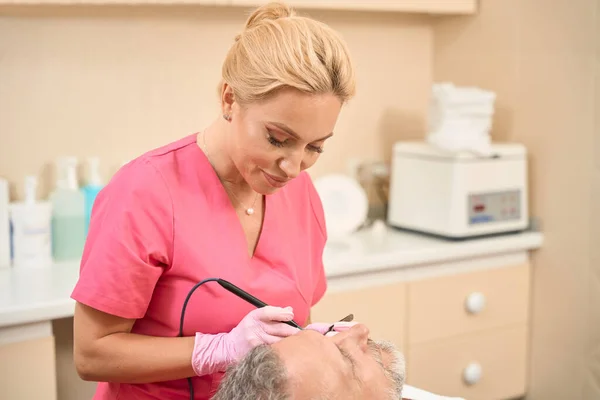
395, 370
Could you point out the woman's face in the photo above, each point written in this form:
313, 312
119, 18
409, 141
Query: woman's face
272, 141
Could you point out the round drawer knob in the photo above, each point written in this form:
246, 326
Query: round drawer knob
472, 374
475, 303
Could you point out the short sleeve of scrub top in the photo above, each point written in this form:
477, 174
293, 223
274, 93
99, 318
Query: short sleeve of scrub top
129, 243
164, 223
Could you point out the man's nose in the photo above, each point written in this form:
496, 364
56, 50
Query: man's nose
359, 333
362, 334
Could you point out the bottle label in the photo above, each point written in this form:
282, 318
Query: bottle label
32, 243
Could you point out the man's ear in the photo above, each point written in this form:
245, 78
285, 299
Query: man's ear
227, 99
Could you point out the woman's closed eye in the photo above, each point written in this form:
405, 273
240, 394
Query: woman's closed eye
275, 142
281, 143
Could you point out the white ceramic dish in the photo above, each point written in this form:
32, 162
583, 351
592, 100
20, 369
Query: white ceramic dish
345, 204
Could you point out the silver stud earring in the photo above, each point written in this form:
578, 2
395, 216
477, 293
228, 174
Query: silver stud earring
227, 117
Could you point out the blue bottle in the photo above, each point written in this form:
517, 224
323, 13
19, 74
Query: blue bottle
91, 189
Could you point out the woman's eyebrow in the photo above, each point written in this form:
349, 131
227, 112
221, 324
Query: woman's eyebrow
293, 134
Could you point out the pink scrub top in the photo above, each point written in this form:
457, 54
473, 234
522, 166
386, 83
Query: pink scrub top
164, 223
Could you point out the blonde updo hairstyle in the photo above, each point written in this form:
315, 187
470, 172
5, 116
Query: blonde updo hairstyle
279, 49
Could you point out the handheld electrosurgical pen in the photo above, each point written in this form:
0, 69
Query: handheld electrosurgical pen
249, 298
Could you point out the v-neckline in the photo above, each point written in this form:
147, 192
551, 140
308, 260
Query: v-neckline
261, 231
231, 212
240, 227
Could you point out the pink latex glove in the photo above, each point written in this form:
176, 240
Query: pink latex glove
322, 327
264, 325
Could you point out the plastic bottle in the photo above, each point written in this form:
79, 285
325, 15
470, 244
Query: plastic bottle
4, 225
91, 190
31, 229
68, 213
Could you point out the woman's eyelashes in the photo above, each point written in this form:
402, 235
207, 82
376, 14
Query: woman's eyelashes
316, 149
274, 141
280, 143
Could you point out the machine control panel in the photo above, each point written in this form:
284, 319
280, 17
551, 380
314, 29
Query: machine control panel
494, 207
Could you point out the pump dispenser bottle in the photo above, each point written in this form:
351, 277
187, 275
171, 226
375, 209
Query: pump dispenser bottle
92, 188
68, 217
31, 229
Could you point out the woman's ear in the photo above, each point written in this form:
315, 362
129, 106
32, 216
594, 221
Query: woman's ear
227, 99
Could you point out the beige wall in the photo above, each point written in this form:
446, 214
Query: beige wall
117, 81
543, 59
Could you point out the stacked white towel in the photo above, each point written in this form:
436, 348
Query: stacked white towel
460, 118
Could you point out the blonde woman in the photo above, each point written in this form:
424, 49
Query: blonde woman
233, 202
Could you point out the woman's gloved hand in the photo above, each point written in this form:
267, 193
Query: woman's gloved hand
323, 327
260, 326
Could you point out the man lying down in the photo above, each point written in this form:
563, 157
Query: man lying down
342, 365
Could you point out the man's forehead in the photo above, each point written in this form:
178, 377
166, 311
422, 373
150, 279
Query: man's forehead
301, 345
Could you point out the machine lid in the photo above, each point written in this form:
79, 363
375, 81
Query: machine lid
424, 149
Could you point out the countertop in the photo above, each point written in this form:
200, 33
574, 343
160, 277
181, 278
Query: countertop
382, 248
41, 294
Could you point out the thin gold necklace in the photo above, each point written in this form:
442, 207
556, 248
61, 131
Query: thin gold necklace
248, 210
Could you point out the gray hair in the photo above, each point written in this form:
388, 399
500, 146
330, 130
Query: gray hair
261, 375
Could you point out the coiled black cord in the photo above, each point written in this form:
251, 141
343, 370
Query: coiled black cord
185, 303
233, 289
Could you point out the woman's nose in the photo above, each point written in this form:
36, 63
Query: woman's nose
291, 165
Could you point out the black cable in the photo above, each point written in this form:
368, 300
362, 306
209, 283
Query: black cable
192, 290
233, 289
250, 299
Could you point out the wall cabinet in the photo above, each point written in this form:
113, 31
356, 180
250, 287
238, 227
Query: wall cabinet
416, 6
408, 6
462, 334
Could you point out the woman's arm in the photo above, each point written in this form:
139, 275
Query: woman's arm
105, 350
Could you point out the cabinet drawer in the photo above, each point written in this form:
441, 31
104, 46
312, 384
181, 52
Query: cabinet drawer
482, 366
466, 303
380, 308
27, 370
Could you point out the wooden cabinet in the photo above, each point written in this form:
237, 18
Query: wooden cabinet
27, 370
467, 303
487, 365
467, 333
463, 334
414, 6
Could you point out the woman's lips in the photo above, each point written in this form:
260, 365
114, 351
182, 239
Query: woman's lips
275, 181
